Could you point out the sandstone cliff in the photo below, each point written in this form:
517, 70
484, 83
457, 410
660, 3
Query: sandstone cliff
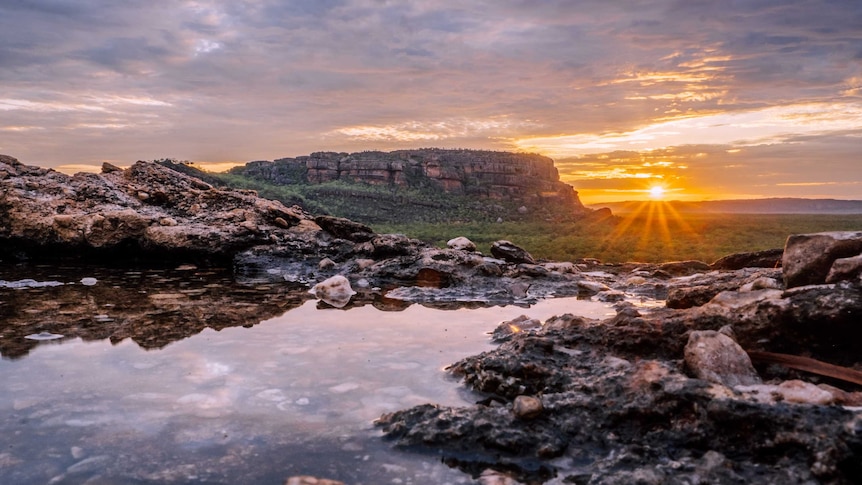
528, 179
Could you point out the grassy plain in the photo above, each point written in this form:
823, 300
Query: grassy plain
650, 236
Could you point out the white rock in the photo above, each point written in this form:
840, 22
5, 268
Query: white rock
335, 291
461, 243
89, 281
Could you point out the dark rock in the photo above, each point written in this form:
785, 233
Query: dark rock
683, 268
344, 228
623, 412
507, 329
809, 257
687, 297
770, 258
511, 253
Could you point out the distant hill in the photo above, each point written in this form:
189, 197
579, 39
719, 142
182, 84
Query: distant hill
422, 185
780, 205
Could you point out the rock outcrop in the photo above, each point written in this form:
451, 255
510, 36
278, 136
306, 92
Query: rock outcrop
147, 207
618, 395
526, 178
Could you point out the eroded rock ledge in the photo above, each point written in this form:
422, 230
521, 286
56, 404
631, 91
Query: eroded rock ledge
670, 395
147, 207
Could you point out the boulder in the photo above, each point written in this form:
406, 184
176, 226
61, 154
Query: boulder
770, 258
527, 407
808, 258
511, 253
715, 357
461, 243
344, 228
845, 269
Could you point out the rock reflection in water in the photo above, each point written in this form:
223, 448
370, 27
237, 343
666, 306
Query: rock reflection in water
293, 395
152, 307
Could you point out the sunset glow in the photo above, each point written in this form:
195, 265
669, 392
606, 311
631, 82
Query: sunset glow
763, 100
656, 192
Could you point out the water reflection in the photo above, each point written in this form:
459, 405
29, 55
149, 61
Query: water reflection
293, 394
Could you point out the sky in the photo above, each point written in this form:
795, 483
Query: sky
706, 99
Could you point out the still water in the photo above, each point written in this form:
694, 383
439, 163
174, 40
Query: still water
97, 395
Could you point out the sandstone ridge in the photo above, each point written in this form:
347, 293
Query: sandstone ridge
529, 179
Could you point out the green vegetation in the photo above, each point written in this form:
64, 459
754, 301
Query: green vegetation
383, 204
704, 237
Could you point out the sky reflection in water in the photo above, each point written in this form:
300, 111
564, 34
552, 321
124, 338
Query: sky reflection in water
292, 395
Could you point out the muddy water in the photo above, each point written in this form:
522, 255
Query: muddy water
185, 376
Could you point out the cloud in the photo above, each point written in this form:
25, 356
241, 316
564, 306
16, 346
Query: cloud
255, 79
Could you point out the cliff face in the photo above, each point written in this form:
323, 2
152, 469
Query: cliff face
525, 178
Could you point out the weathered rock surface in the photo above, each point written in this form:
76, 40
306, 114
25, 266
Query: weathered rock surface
510, 252
770, 258
715, 357
617, 396
618, 404
532, 179
808, 258
147, 207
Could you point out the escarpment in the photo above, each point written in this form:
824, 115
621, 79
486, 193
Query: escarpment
529, 179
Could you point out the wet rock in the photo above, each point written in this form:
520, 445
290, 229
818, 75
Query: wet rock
592, 287
687, 297
809, 257
715, 357
507, 329
493, 477
511, 253
770, 258
309, 480
335, 291
527, 407
461, 243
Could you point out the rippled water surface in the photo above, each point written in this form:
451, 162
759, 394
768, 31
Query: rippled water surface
185, 376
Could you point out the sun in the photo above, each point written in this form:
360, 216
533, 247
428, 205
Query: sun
656, 192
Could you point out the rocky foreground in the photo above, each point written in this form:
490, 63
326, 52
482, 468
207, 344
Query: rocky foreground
749, 373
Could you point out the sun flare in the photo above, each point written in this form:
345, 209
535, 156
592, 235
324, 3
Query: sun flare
656, 192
